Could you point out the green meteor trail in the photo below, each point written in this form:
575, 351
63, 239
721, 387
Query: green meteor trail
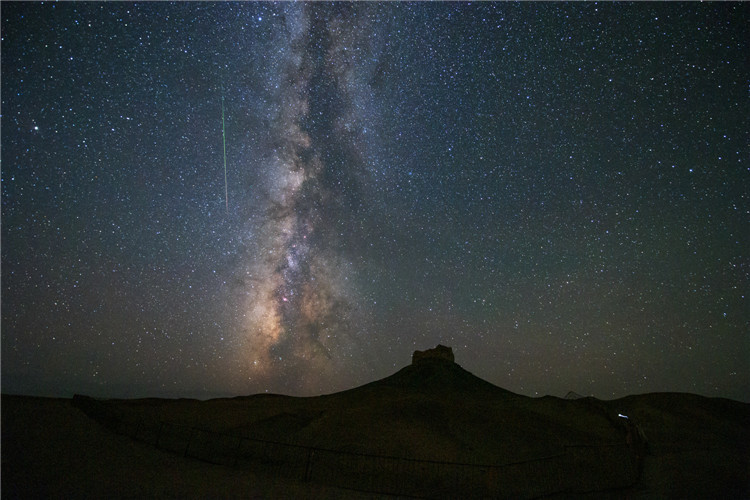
224, 139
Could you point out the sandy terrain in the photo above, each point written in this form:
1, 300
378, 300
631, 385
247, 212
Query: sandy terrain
454, 435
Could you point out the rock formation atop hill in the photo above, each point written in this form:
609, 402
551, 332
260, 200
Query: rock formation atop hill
439, 352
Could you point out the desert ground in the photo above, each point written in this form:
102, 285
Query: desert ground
431, 430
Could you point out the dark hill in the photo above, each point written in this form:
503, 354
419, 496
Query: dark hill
435, 377
434, 429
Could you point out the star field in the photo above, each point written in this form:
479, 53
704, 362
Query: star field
557, 191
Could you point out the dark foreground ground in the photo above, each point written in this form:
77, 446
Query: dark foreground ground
432, 430
51, 449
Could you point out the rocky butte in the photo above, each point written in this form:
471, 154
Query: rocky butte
439, 352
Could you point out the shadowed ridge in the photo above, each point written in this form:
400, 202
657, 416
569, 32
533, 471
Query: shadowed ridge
434, 378
441, 377
572, 395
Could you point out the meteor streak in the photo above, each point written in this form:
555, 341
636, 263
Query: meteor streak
224, 139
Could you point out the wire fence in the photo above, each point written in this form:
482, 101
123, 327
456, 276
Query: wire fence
575, 470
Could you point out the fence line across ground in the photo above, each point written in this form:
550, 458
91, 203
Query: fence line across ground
576, 469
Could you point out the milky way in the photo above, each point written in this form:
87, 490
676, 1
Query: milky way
301, 308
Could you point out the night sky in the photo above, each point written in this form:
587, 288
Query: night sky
559, 192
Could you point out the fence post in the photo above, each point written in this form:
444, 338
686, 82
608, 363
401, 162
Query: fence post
190, 439
308, 467
158, 434
237, 451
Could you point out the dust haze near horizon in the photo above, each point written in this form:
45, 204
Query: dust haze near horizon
559, 192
